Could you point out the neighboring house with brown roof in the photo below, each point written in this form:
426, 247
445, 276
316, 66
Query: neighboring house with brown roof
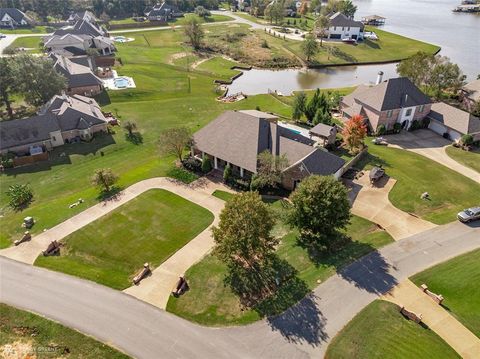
446, 119
62, 120
238, 137
80, 78
471, 93
325, 133
396, 100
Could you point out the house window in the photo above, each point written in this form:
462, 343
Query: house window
348, 28
53, 138
421, 108
409, 112
334, 28
343, 28
389, 113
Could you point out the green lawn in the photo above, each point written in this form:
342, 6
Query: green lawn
468, 158
149, 228
223, 195
178, 21
29, 30
32, 43
29, 334
458, 281
219, 67
380, 331
450, 192
210, 302
389, 47
166, 96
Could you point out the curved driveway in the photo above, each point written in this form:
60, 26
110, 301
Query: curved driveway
305, 330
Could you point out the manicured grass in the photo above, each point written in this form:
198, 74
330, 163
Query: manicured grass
457, 280
29, 30
149, 228
31, 43
468, 158
223, 195
210, 302
219, 67
31, 336
178, 21
166, 96
389, 47
380, 331
450, 192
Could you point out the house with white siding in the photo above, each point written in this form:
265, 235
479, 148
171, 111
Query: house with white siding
342, 27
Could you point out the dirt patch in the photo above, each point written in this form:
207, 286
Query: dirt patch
176, 57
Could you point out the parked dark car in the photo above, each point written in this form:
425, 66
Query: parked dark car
469, 214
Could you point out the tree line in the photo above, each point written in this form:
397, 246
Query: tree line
43, 10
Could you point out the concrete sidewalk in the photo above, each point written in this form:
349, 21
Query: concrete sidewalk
371, 202
437, 318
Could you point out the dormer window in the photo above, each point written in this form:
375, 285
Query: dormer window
389, 113
422, 107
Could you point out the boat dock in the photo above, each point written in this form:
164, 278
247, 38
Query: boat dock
375, 20
467, 8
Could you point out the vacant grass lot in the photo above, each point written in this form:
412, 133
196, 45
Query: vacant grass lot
210, 302
470, 159
27, 333
450, 192
380, 331
27, 30
458, 281
149, 228
389, 48
219, 67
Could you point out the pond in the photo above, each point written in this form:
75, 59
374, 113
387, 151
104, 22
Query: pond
427, 20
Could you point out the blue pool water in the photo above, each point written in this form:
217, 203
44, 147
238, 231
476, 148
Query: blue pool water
121, 82
295, 131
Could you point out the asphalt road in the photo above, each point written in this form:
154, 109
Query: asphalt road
305, 330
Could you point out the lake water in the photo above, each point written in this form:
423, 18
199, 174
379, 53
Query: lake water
428, 20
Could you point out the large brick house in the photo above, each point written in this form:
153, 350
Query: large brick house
62, 120
238, 137
393, 101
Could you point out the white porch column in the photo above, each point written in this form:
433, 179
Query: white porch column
192, 151
241, 172
215, 164
203, 155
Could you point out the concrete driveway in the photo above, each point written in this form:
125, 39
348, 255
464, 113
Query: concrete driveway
371, 202
429, 144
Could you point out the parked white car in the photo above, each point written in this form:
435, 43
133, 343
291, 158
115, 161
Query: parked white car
469, 214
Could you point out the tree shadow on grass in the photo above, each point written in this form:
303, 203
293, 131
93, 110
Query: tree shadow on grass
103, 98
371, 44
344, 56
111, 195
135, 137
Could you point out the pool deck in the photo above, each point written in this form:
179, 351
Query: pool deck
109, 83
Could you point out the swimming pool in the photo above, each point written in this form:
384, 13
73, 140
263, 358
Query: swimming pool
121, 82
295, 131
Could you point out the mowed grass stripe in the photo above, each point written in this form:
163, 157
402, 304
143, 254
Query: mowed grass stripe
149, 228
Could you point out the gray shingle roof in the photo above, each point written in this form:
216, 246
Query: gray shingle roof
452, 117
339, 19
76, 74
321, 130
323, 163
473, 90
390, 95
27, 131
14, 13
240, 136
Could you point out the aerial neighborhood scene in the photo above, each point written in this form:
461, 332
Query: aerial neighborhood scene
240, 179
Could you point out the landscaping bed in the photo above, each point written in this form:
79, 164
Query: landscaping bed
149, 228
457, 280
32, 336
380, 331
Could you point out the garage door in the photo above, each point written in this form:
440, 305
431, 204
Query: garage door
335, 36
437, 127
454, 135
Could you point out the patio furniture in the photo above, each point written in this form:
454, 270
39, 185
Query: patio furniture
28, 222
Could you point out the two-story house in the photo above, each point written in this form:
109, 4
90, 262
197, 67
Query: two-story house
342, 27
12, 18
396, 100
